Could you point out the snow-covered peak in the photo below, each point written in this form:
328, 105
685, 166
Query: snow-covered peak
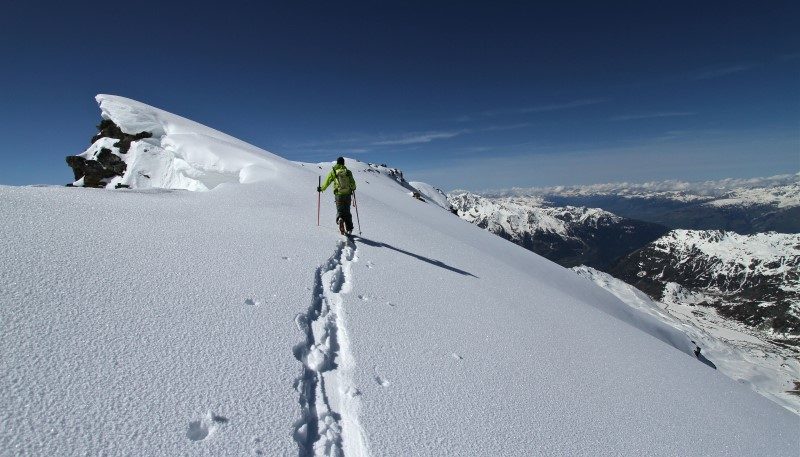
133, 116
179, 153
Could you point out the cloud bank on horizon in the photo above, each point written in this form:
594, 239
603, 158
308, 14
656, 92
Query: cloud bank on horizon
713, 188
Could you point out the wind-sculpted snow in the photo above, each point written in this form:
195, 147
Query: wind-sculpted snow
180, 154
156, 322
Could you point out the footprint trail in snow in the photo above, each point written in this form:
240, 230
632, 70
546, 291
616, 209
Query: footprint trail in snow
328, 398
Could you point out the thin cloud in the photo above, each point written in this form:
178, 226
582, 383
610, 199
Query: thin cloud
543, 108
418, 137
560, 106
494, 128
720, 71
631, 117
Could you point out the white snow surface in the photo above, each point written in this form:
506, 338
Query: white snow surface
164, 322
735, 350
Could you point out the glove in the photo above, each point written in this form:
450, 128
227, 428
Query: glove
319, 189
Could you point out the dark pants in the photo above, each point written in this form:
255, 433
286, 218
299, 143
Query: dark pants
343, 211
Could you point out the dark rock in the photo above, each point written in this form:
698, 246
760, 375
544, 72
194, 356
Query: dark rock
124, 144
111, 162
77, 164
95, 172
108, 129
106, 164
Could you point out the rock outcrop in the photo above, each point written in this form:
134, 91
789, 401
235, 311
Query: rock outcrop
105, 162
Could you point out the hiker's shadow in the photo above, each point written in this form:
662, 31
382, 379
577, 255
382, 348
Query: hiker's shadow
437, 263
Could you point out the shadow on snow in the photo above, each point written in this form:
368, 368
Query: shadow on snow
434, 262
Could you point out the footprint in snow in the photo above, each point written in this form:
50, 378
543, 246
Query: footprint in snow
363, 297
391, 304
286, 258
198, 431
257, 446
252, 302
383, 382
205, 427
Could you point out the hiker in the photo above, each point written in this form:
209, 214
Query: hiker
343, 187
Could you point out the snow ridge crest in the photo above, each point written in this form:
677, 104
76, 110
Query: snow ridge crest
176, 153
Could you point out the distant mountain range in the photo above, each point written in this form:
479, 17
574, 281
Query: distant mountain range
754, 279
742, 206
722, 251
567, 235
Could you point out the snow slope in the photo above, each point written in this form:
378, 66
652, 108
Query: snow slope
733, 349
165, 322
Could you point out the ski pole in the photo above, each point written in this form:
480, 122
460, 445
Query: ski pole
319, 184
355, 203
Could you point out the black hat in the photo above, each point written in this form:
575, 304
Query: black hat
340, 160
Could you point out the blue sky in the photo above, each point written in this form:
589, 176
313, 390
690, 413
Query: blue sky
474, 96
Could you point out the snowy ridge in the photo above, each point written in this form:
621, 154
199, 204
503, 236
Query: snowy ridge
432, 194
158, 322
733, 349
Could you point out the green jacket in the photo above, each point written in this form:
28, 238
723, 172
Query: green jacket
331, 178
